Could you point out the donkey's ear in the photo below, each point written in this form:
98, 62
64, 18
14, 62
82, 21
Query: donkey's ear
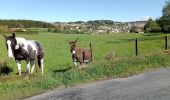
13, 34
76, 40
4, 36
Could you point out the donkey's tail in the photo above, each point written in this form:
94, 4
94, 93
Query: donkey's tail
91, 52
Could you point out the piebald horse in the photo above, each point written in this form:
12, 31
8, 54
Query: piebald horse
28, 50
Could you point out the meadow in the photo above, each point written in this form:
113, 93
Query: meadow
59, 68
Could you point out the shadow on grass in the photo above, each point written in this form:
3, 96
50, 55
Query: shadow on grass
4, 68
62, 70
147, 38
120, 41
152, 34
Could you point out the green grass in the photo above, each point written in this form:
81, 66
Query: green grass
59, 69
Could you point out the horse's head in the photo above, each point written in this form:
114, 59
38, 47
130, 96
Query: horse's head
72, 46
11, 43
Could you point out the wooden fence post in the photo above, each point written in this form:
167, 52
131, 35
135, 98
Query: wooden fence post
166, 43
136, 46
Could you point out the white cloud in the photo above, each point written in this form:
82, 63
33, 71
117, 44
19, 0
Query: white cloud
145, 18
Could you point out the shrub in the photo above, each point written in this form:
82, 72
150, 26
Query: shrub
110, 57
152, 26
3, 28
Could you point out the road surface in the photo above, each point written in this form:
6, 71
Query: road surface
153, 85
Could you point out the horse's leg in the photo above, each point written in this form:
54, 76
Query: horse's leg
28, 67
19, 66
33, 65
42, 66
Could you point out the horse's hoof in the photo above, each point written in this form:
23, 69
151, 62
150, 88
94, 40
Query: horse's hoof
26, 77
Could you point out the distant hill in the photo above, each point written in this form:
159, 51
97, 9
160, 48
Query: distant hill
92, 22
103, 22
136, 22
25, 24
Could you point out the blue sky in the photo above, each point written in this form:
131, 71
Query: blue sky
84, 10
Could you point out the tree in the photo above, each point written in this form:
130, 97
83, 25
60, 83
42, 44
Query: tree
134, 29
166, 9
164, 21
152, 26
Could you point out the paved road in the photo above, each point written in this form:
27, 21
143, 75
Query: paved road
153, 85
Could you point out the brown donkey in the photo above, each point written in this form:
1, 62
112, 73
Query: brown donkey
80, 55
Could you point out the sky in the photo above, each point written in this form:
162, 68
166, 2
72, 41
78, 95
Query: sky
81, 10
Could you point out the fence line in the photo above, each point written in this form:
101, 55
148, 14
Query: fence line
166, 43
136, 46
155, 38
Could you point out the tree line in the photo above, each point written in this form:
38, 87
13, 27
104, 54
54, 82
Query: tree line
25, 24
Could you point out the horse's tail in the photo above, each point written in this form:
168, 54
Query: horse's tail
40, 53
39, 63
91, 52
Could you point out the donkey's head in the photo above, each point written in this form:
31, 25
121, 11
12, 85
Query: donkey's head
73, 46
11, 42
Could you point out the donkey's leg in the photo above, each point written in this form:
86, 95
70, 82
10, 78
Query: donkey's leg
74, 59
19, 66
81, 62
33, 65
75, 63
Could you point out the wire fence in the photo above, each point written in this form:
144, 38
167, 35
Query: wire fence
137, 40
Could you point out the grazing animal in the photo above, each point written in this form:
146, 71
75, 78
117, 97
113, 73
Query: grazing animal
80, 55
22, 49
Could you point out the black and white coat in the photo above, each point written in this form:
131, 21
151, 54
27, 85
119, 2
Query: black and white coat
28, 50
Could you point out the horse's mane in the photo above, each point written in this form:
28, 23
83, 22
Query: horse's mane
21, 42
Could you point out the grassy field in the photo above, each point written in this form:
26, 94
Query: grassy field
59, 69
